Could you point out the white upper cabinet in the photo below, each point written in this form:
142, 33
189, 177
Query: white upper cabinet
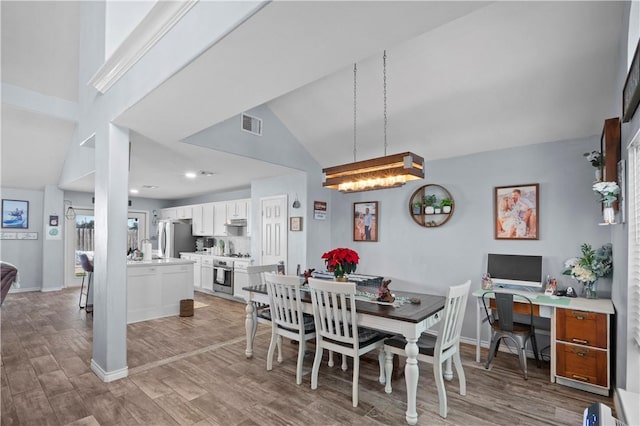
238, 209
202, 220
168, 214
184, 212
219, 218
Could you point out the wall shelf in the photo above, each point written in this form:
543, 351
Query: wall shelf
428, 219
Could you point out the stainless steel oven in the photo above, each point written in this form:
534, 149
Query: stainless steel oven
223, 276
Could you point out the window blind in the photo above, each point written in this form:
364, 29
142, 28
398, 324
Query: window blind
634, 243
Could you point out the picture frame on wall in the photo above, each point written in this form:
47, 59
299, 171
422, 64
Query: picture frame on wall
295, 224
15, 214
365, 221
516, 213
631, 89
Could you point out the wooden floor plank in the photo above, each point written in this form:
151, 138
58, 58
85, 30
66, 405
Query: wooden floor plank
193, 371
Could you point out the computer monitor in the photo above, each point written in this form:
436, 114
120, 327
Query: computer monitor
513, 271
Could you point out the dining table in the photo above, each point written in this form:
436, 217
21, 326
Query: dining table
410, 315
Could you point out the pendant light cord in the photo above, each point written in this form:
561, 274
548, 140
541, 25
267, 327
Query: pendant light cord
384, 90
355, 72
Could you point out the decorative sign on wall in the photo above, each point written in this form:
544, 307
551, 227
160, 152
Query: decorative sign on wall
295, 223
18, 235
320, 210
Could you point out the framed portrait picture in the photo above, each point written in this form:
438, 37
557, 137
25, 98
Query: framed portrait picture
295, 224
516, 212
365, 221
15, 214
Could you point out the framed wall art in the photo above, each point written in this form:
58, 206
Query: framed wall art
15, 214
295, 223
365, 221
516, 212
631, 89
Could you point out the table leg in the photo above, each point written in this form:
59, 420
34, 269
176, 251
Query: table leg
478, 321
411, 379
249, 324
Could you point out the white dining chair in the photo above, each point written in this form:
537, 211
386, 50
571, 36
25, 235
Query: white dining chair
437, 349
263, 313
335, 315
287, 317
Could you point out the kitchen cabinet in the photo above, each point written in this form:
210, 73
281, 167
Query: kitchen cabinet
219, 218
237, 209
154, 289
168, 213
207, 274
184, 212
202, 220
197, 268
240, 279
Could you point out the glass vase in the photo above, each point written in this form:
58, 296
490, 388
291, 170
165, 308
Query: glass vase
589, 290
608, 214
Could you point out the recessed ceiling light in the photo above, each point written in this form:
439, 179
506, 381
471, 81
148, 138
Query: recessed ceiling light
133, 191
190, 175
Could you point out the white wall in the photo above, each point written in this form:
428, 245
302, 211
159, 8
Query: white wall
122, 17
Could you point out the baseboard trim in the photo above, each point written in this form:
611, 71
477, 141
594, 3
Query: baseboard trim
46, 290
23, 289
503, 346
110, 376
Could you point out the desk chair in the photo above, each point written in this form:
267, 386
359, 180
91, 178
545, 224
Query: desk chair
87, 266
500, 317
335, 316
437, 349
287, 317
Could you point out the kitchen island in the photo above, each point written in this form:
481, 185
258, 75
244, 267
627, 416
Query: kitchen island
155, 287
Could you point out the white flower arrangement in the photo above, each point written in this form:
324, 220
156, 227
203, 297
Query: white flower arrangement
607, 190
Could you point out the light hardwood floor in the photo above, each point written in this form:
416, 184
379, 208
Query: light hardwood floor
193, 371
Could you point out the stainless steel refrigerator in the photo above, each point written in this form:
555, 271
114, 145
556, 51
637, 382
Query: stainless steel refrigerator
175, 237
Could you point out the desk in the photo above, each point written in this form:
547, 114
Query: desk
408, 319
558, 309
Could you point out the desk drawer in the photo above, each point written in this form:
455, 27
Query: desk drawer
583, 328
582, 364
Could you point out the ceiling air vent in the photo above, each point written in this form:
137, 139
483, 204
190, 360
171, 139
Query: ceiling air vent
251, 124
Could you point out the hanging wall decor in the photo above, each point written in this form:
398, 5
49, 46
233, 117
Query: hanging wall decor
516, 212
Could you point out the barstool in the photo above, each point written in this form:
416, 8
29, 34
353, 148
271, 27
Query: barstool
87, 266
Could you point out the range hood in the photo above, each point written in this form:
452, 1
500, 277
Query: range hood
236, 222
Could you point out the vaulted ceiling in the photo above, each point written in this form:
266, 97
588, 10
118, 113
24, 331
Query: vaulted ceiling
462, 77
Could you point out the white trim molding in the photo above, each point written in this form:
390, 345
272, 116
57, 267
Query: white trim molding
160, 19
111, 376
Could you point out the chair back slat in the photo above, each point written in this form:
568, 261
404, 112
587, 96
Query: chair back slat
334, 308
284, 298
454, 310
505, 309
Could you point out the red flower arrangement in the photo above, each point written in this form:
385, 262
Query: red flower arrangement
341, 261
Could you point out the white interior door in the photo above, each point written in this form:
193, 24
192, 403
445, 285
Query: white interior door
274, 229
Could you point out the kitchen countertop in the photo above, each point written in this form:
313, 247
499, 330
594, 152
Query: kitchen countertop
160, 262
224, 258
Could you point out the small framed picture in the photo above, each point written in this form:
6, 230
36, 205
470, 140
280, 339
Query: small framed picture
295, 224
15, 214
53, 220
516, 212
365, 221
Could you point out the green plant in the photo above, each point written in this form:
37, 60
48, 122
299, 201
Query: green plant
417, 204
430, 200
446, 202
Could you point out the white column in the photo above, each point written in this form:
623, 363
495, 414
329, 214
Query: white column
109, 360
52, 244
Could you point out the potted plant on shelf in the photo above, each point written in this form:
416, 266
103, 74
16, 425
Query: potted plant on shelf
429, 204
446, 204
417, 207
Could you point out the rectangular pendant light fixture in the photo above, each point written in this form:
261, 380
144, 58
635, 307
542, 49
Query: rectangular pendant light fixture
377, 173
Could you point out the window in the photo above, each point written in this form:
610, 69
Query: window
634, 242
